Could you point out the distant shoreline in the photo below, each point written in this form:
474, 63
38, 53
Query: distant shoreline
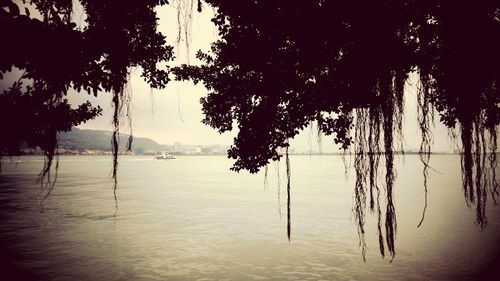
106, 153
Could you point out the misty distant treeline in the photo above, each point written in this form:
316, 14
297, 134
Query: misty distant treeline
80, 140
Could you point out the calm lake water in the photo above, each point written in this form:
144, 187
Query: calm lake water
193, 219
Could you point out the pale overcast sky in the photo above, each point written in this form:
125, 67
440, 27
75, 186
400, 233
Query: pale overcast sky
174, 114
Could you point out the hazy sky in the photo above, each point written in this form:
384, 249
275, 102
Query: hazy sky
174, 113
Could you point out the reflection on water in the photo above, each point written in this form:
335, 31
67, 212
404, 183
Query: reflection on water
193, 219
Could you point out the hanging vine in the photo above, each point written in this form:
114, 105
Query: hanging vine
184, 13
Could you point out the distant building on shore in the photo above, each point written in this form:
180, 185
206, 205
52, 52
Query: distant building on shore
177, 147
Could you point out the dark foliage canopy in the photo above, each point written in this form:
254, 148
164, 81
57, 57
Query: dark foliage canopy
56, 55
281, 65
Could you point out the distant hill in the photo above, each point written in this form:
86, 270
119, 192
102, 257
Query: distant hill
80, 140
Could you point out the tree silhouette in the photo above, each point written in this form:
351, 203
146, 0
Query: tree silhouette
56, 56
281, 65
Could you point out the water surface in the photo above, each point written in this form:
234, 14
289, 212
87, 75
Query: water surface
193, 219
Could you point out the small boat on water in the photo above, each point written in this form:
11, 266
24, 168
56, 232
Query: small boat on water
164, 156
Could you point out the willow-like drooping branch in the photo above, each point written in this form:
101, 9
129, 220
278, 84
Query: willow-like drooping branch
425, 118
288, 214
184, 16
361, 167
384, 119
477, 176
121, 102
